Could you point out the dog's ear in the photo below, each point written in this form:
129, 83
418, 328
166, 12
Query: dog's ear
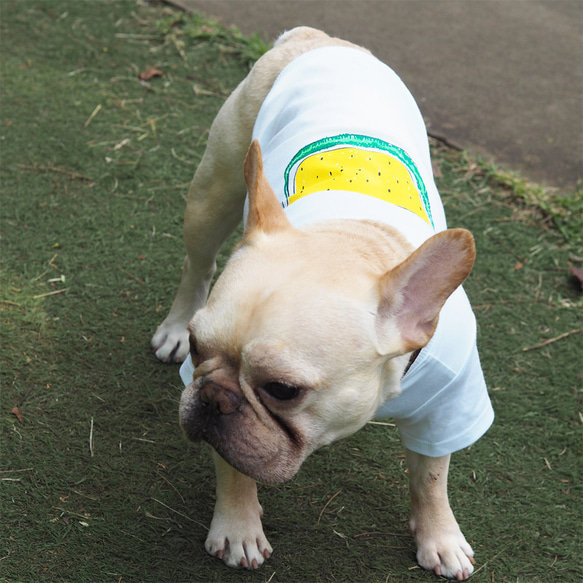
265, 212
413, 293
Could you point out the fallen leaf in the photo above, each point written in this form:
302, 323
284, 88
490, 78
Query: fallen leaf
150, 73
16, 411
517, 266
578, 273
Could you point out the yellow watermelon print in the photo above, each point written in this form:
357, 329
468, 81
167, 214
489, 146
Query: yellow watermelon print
361, 164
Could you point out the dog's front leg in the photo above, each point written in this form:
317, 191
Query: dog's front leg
213, 210
441, 546
236, 534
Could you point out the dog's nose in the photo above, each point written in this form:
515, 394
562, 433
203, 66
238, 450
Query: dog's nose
220, 400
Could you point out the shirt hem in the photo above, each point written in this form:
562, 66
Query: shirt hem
451, 445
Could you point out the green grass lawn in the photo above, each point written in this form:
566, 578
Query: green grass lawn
97, 482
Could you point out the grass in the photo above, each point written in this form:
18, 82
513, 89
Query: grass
97, 482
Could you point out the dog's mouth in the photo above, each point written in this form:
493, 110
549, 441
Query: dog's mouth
267, 449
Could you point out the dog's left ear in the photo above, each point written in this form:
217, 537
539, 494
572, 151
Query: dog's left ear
265, 212
413, 293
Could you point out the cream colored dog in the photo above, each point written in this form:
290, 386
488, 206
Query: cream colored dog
295, 350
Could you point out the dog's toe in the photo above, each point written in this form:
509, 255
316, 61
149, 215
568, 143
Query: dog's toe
447, 555
170, 343
240, 554
451, 563
239, 544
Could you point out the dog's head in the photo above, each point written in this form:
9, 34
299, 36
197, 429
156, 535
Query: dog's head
306, 333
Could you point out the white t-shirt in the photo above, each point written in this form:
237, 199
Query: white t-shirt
342, 138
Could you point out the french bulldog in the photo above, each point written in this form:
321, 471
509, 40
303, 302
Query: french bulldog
342, 301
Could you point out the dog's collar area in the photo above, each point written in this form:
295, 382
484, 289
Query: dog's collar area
412, 359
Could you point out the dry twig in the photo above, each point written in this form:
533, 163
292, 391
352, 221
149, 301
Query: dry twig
180, 514
74, 175
93, 114
326, 505
91, 438
134, 277
551, 340
172, 486
59, 291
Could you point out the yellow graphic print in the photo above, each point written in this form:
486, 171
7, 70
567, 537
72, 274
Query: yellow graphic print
360, 170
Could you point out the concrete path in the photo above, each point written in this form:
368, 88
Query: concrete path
503, 78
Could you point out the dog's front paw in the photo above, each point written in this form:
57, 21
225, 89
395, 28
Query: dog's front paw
444, 551
170, 342
238, 540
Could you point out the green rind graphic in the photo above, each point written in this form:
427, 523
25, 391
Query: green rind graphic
362, 142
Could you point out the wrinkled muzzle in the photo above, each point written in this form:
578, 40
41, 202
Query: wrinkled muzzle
253, 440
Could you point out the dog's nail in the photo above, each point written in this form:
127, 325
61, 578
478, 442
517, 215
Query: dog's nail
219, 554
266, 554
472, 560
254, 564
437, 570
244, 564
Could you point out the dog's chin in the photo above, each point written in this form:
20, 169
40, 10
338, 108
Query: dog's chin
269, 455
268, 471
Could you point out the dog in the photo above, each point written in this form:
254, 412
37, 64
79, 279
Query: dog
342, 302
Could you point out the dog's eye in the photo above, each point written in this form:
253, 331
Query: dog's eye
281, 391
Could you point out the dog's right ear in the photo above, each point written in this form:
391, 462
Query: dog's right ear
265, 212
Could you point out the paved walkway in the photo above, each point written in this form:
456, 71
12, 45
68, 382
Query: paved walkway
500, 77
